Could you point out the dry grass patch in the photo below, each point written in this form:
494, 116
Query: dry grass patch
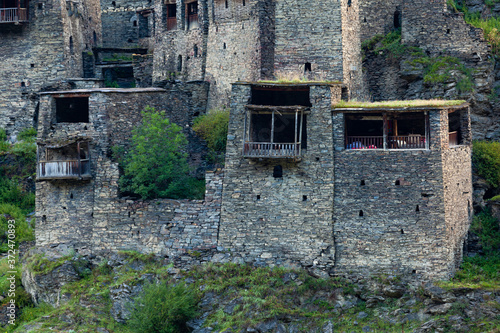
398, 104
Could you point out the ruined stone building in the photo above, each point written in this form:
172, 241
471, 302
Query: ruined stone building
296, 190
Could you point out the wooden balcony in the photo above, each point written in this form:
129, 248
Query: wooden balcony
13, 15
412, 141
271, 150
68, 169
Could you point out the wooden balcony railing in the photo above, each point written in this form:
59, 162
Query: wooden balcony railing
365, 142
413, 141
69, 169
271, 150
453, 139
13, 15
171, 23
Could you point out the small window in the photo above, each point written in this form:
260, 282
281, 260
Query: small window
72, 110
307, 67
195, 51
179, 64
134, 23
227, 5
454, 129
95, 38
397, 19
71, 46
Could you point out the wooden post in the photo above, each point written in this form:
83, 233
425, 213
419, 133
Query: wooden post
272, 130
385, 130
79, 160
296, 128
427, 132
301, 127
245, 131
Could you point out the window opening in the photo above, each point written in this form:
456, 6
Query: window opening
407, 130
454, 128
348, 3
40, 6
224, 46
72, 110
192, 15
227, 5
307, 67
71, 46
304, 198
363, 183
244, 4
397, 19
195, 51
95, 38
361, 213
417, 209
258, 197
179, 64
278, 171
397, 183
171, 16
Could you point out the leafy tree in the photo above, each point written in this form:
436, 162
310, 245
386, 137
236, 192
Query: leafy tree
156, 165
486, 161
212, 127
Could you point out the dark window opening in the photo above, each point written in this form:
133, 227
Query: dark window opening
278, 171
130, 40
95, 38
227, 5
402, 130
304, 198
179, 63
454, 128
417, 209
195, 51
402, 232
307, 67
364, 20
170, 16
192, 15
349, 3
282, 97
40, 6
71, 196
32, 65
71, 46
448, 31
397, 183
361, 214
134, 23
244, 4
258, 197
23, 84
363, 183
113, 3
224, 46
397, 19
72, 110
123, 77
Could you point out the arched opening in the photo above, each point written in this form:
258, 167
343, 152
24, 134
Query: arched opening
71, 46
113, 3
307, 67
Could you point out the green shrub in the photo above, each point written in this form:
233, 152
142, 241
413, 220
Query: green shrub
3, 135
11, 193
156, 165
163, 308
212, 127
27, 134
486, 161
23, 230
488, 229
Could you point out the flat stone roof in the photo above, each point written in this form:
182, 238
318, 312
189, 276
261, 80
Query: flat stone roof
103, 90
288, 84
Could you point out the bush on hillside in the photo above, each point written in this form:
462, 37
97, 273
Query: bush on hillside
486, 161
163, 308
23, 230
156, 165
212, 127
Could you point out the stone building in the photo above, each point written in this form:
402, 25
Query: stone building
42, 45
340, 191
345, 190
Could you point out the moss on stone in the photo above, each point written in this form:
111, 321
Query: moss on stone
399, 104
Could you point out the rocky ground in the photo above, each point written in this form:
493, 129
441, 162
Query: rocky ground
76, 294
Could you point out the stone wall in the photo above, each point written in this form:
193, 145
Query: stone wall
88, 214
38, 55
280, 220
430, 25
180, 53
121, 22
378, 17
308, 32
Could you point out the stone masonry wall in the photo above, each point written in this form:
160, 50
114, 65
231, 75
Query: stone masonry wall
75, 212
118, 17
411, 228
308, 32
280, 220
351, 50
180, 53
233, 48
431, 26
37, 55
377, 17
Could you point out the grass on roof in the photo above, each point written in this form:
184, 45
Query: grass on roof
398, 104
297, 81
